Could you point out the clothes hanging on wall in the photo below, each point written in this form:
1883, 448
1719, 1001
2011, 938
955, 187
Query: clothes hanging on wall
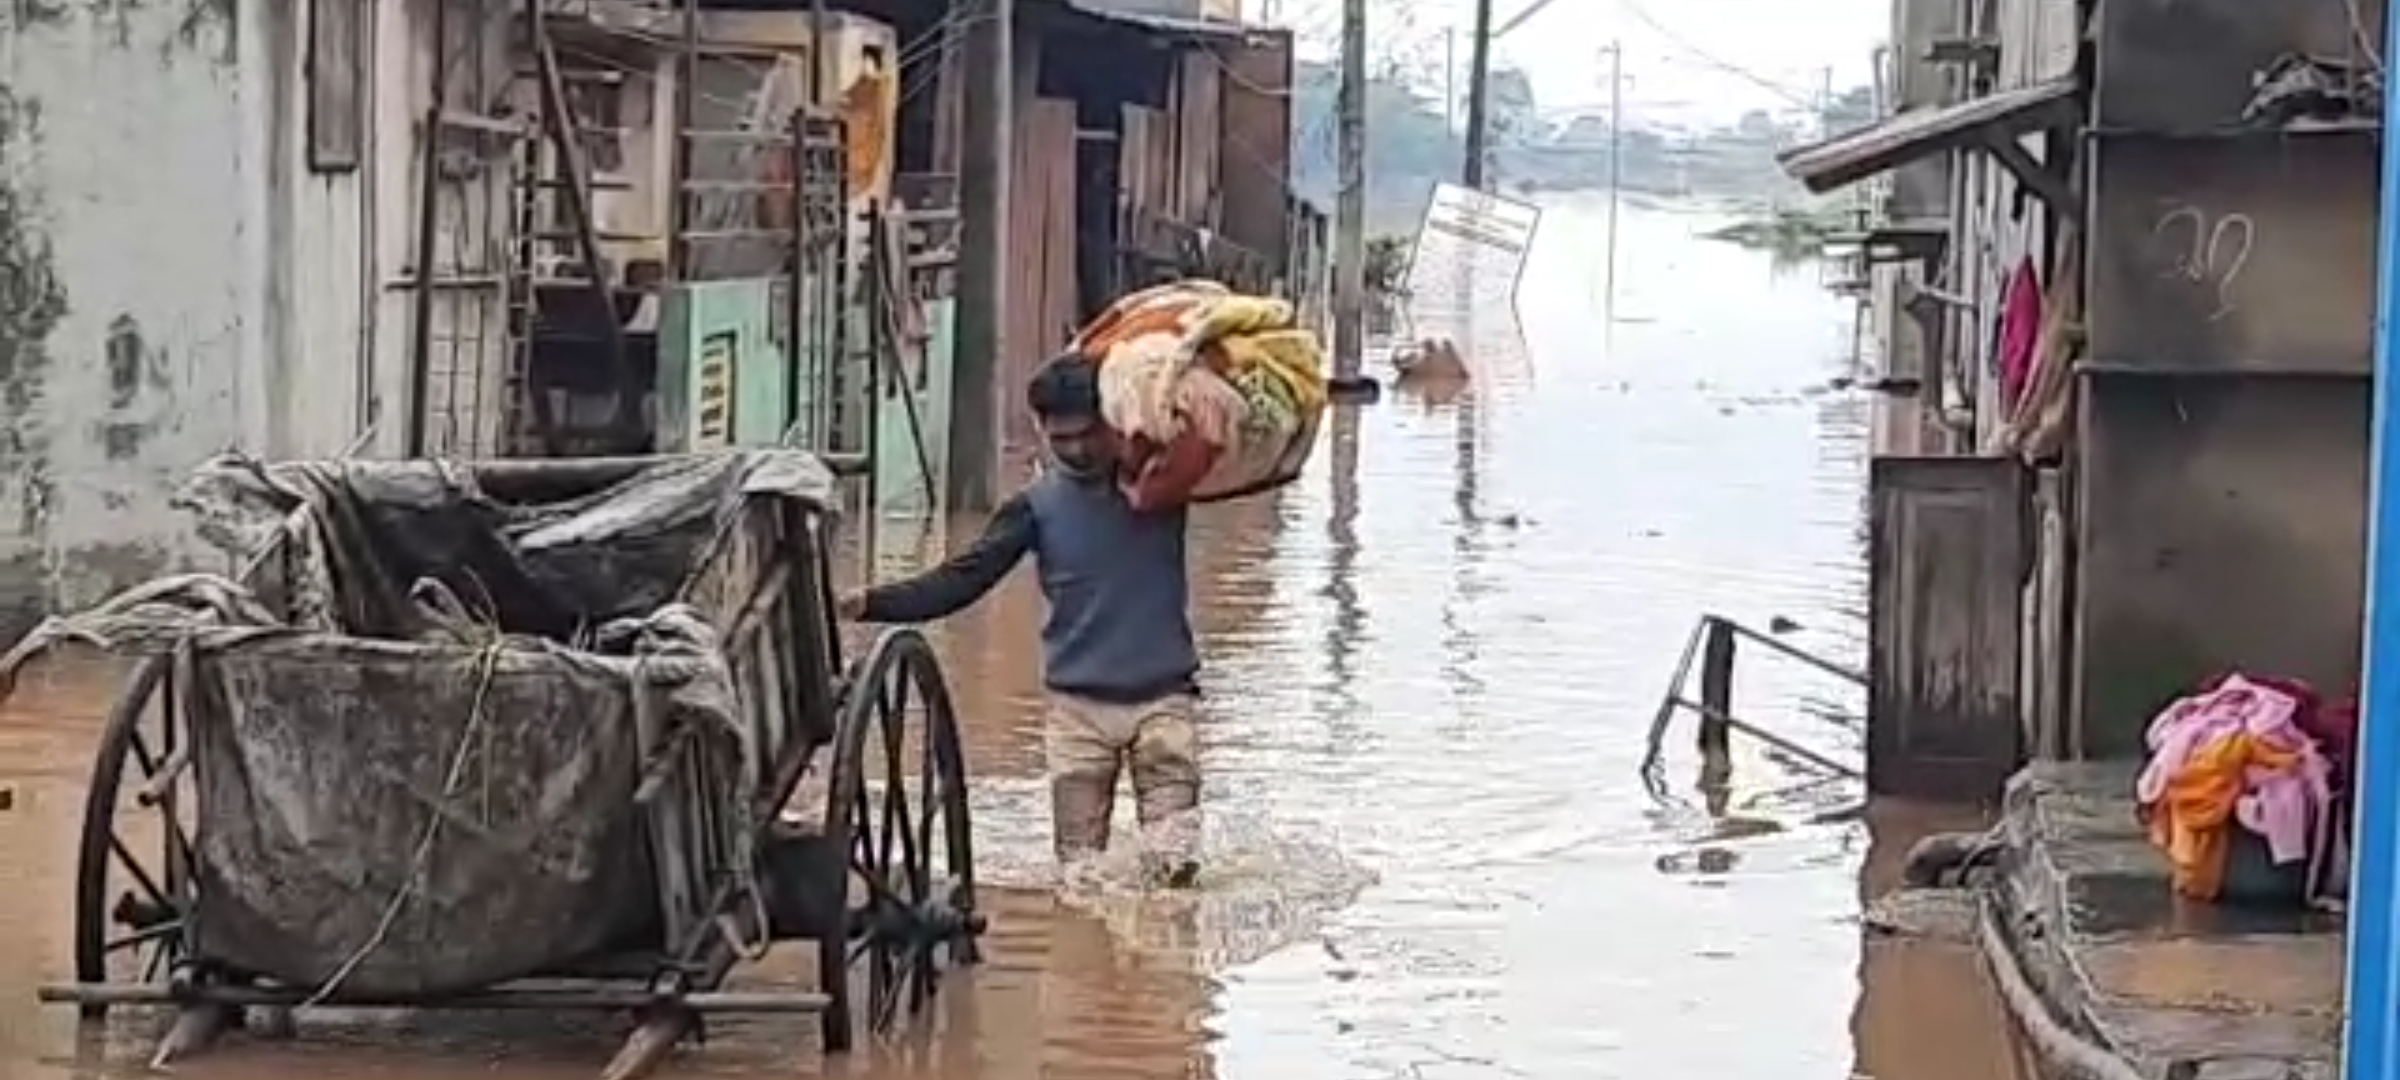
2020, 328
2040, 425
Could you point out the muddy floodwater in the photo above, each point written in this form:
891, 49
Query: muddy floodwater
1433, 664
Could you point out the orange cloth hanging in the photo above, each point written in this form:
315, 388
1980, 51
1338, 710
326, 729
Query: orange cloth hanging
2190, 820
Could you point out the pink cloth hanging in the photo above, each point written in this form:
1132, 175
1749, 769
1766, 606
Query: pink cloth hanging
2020, 326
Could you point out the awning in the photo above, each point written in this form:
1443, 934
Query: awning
1898, 241
1909, 136
1180, 27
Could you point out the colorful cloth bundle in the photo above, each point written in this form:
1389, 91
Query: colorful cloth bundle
1216, 394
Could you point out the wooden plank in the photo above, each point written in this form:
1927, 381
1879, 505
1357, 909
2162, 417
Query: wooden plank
1202, 138
1948, 553
1060, 316
1905, 137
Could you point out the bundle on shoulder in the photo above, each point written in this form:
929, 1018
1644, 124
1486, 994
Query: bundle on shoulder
1217, 394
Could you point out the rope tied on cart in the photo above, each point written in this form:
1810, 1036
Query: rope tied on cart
421, 858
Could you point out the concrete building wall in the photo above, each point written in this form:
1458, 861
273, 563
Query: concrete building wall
132, 312
2221, 465
178, 277
1921, 190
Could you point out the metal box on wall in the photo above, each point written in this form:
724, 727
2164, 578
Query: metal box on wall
2233, 254
2186, 65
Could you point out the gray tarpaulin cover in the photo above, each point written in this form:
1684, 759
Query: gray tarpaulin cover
417, 765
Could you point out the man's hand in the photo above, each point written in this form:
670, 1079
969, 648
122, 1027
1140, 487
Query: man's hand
851, 605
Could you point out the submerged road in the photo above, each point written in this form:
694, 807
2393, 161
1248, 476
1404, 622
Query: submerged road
1433, 662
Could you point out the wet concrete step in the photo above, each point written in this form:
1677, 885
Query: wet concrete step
2180, 990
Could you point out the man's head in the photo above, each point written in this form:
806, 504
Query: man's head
1065, 397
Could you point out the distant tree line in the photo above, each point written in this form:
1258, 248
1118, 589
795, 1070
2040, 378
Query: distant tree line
1411, 146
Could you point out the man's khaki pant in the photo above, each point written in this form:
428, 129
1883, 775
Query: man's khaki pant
1088, 742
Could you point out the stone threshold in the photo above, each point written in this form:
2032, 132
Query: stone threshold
2132, 981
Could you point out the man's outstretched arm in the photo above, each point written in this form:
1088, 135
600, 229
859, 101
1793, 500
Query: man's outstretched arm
963, 578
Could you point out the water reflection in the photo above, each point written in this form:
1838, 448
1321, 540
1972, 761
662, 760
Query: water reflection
1432, 663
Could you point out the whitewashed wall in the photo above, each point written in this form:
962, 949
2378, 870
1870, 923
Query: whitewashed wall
133, 306
175, 278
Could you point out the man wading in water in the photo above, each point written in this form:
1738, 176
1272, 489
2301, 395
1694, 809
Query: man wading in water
1117, 649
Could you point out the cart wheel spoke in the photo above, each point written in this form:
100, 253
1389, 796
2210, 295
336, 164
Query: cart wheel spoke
134, 875
897, 706
125, 859
148, 936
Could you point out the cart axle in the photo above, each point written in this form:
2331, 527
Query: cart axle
606, 999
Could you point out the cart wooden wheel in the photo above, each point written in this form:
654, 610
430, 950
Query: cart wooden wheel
897, 803
133, 881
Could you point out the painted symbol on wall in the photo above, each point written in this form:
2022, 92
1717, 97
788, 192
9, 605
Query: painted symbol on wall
2206, 250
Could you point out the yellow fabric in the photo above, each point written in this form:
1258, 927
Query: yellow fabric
2190, 819
867, 108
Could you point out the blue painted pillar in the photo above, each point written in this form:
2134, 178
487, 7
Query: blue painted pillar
2371, 1038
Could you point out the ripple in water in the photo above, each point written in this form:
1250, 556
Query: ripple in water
1261, 888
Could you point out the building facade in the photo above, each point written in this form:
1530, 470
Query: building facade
338, 227
198, 209
2126, 349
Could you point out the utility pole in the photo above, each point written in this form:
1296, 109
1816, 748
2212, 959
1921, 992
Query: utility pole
1479, 104
1350, 210
1616, 164
983, 167
1825, 102
1450, 79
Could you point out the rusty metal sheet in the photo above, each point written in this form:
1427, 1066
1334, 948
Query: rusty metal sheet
2219, 525
1257, 168
1948, 551
1171, 20
2234, 254
1041, 237
2186, 65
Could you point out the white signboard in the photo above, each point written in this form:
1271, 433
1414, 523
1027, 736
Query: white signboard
1462, 276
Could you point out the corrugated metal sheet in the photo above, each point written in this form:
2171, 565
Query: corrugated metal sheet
1255, 175
1041, 236
1199, 137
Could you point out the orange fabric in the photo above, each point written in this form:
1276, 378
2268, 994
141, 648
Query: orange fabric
2191, 819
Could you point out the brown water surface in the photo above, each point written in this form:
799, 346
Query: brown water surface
1433, 662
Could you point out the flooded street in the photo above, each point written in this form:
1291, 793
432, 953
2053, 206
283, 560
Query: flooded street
1433, 663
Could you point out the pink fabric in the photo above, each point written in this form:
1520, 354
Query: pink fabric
2280, 805
2020, 327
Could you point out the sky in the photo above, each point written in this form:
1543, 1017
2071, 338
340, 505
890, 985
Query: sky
1686, 61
